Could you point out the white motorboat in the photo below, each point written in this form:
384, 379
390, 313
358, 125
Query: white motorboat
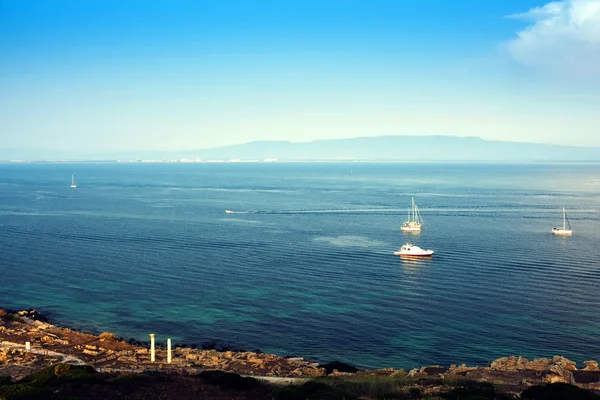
228, 212
411, 250
563, 231
415, 221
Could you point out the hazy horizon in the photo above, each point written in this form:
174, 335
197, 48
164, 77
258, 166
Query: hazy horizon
305, 142
100, 76
381, 148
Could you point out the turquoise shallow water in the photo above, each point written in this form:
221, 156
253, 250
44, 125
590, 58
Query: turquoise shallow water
309, 269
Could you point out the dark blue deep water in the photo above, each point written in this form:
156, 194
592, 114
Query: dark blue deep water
309, 270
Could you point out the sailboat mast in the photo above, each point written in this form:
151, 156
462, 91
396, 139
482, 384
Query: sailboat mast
564, 219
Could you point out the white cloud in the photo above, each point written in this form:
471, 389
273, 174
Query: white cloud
564, 37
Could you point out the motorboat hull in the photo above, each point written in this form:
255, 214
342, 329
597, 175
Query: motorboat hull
427, 254
410, 250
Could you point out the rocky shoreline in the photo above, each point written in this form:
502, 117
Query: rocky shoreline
49, 345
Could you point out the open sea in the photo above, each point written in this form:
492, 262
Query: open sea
306, 267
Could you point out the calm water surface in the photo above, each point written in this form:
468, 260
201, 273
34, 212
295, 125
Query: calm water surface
309, 270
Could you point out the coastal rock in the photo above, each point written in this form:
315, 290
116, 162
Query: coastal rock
433, 370
108, 352
539, 364
563, 367
557, 364
591, 365
552, 378
461, 369
511, 363
587, 377
564, 363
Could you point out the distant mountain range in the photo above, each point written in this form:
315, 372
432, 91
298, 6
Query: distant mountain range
381, 148
404, 148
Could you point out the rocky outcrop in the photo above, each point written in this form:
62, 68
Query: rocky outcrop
106, 352
557, 369
250, 363
591, 365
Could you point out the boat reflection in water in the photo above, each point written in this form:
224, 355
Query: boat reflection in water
414, 268
413, 264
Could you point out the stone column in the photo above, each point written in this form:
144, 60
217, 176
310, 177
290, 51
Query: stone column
152, 350
169, 351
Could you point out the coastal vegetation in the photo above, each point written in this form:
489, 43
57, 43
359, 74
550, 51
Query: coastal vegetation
63, 381
59, 363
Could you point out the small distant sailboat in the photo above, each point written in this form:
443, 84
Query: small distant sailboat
415, 221
73, 185
228, 212
563, 231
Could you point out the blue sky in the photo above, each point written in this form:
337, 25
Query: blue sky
125, 75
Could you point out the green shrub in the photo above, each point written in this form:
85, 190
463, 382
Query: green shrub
371, 386
58, 373
557, 391
311, 390
40, 377
228, 380
474, 390
127, 378
340, 366
393, 396
24, 391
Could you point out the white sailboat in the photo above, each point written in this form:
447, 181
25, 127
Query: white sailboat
415, 221
563, 231
73, 185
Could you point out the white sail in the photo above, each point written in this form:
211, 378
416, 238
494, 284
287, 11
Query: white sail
415, 221
566, 228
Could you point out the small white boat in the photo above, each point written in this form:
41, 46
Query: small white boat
563, 231
228, 212
73, 185
411, 250
415, 221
